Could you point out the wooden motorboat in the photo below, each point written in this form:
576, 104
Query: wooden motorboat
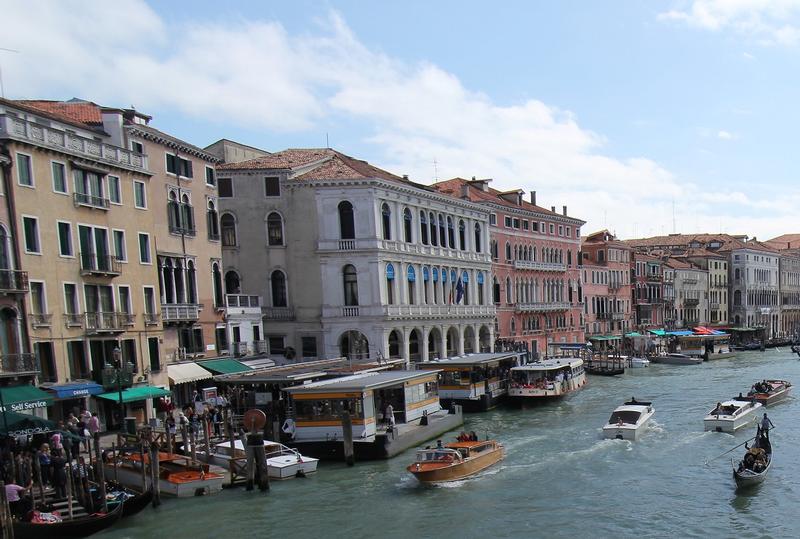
179, 476
629, 421
76, 527
731, 415
754, 466
770, 391
455, 461
677, 359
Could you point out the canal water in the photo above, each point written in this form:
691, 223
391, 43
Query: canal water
559, 478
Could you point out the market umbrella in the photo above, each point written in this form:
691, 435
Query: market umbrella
16, 424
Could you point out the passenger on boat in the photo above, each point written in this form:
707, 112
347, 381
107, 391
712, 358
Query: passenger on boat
463, 437
439, 444
719, 410
473, 436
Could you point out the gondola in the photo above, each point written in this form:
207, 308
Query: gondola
78, 527
745, 475
134, 503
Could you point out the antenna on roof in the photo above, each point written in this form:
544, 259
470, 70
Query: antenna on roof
327, 142
673, 215
435, 170
2, 88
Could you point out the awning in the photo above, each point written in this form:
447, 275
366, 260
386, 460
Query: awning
605, 338
681, 333
23, 424
21, 398
633, 334
224, 366
133, 394
182, 373
658, 332
260, 363
568, 346
74, 391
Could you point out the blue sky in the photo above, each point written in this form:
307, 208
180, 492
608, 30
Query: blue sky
617, 109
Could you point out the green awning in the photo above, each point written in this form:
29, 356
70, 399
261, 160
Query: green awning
224, 366
605, 338
21, 398
658, 332
21, 424
633, 334
133, 394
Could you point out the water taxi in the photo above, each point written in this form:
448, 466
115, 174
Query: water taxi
547, 379
628, 421
282, 462
770, 391
179, 476
729, 416
455, 461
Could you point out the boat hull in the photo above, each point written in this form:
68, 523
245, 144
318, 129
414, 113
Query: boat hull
678, 360
459, 471
748, 478
729, 425
132, 478
767, 399
638, 362
722, 355
554, 390
79, 527
627, 431
277, 467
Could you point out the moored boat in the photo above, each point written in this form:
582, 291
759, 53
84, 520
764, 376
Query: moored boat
179, 476
547, 379
770, 391
731, 415
282, 462
629, 421
49, 526
677, 359
754, 466
638, 362
132, 501
455, 461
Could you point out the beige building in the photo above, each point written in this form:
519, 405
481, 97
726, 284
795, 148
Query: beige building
83, 206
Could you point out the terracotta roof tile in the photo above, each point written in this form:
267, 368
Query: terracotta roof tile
84, 112
283, 160
785, 242
728, 242
343, 167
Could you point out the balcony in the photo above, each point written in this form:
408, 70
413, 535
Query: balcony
73, 320
239, 349
259, 347
618, 316
90, 201
13, 281
176, 313
614, 285
691, 322
100, 265
691, 302
40, 320
17, 364
653, 277
394, 246
690, 280
714, 305
347, 245
102, 322
602, 316
151, 319
539, 266
543, 307
428, 311
182, 231
70, 143
277, 313
213, 236
350, 312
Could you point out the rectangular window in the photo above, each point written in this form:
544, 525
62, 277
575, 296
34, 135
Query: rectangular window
309, 346
560, 230
569, 231
114, 190
149, 300
30, 227
139, 195
225, 187
71, 298
65, 239
124, 299
492, 218
24, 170
516, 223
144, 248
534, 226
59, 177
210, 178
38, 302
525, 224
89, 188
137, 147
552, 228
507, 221
276, 346
179, 166
120, 250
272, 187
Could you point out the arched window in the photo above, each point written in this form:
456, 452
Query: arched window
350, 285
5, 249
386, 219
423, 227
508, 251
188, 215
232, 285
228, 225
390, 284
462, 235
569, 258
216, 278
737, 297
508, 291
174, 212
442, 232
479, 280
212, 220
407, 224
478, 237
274, 229
412, 283
495, 290
278, 285
191, 285
394, 345
347, 225
434, 232
451, 233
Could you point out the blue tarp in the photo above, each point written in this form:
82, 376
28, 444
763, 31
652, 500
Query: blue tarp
75, 390
681, 332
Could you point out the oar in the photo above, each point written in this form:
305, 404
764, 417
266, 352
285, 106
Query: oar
729, 450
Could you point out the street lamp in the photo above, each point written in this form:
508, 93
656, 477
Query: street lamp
117, 359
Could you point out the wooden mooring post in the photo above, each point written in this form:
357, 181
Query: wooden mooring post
5, 514
100, 471
347, 439
155, 474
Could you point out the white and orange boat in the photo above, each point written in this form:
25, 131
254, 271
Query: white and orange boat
179, 476
770, 391
455, 461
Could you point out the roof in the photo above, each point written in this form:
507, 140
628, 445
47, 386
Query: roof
158, 136
283, 160
361, 382
471, 359
728, 242
785, 242
75, 110
224, 366
342, 167
550, 364
453, 187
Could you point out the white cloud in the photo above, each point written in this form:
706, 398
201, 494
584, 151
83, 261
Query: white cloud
725, 135
765, 21
253, 73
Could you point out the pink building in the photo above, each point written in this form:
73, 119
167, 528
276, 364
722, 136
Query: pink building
606, 279
536, 282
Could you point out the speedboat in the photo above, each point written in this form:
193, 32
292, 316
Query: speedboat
628, 421
754, 466
455, 461
731, 415
678, 359
637, 362
770, 391
282, 462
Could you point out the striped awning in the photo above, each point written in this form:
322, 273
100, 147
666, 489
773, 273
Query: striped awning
182, 373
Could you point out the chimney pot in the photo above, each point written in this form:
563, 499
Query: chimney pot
465, 191
405, 177
565, 209
473, 178
533, 198
553, 209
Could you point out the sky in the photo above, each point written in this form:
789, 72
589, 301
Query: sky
644, 118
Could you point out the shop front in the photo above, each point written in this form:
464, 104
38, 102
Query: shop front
72, 398
24, 399
131, 401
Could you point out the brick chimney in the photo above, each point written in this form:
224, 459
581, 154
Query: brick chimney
564, 208
533, 198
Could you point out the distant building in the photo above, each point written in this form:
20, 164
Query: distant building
228, 151
606, 280
788, 245
647, 292
690, 293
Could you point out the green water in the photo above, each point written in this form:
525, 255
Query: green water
559, 479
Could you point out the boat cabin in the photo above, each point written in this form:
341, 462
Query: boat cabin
318, 406
705, 346
478, 382
548, 378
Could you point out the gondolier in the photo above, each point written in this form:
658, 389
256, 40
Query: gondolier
766, 424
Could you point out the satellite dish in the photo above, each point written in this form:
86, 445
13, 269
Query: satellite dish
254, 420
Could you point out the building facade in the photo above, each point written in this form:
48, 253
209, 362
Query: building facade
535, 257
690, 295
647, 291
354, 261
606, 280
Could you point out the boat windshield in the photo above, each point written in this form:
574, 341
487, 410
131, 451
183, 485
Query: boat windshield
624, 416
434, 455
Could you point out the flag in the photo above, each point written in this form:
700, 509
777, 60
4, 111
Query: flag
459, 290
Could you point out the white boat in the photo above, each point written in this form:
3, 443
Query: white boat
638, 362
179, 476
678, 359
628, 421
282, 462
731, 415
547, 379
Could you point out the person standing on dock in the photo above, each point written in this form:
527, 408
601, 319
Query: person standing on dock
390, 415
